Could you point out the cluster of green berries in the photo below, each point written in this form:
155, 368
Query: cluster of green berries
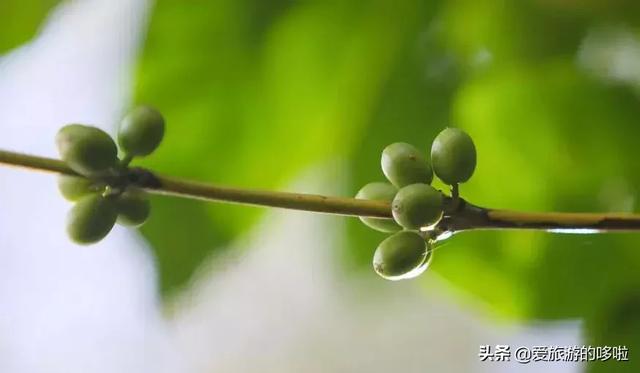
100, 193
415, 204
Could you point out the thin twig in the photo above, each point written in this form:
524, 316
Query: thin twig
157, 184
470, 217
460, 215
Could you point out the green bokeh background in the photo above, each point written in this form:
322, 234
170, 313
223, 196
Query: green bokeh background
255, 92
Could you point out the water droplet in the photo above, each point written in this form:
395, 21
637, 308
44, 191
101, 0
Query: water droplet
574, 230
414, 272
443, 236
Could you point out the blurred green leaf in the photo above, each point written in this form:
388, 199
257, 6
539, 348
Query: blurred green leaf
20, 20
252, 98
550, 138
256, 92
413, 107
550, 152
617, 325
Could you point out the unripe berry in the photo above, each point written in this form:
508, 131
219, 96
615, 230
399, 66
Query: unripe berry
86, 150
75, 187
453, 156
379, 191
133, 208
401, 255
416, 206
91, 219
141, 131
403, 164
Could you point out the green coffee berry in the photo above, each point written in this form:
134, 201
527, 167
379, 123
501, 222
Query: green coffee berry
141, 131
403, 164
401, 254
379, 191
86, 150
75, 187
91, 219
416, 206
453, 156
133, 208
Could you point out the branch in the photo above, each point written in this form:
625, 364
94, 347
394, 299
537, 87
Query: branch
459, 216
468, 217
165, 185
